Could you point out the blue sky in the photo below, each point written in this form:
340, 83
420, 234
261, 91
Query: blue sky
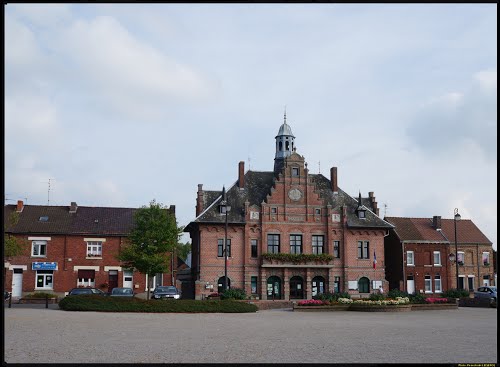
119, 104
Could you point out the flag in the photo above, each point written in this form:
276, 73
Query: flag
374, 260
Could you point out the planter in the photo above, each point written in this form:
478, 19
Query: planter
38, 301
321, 308
380, 308
434, 306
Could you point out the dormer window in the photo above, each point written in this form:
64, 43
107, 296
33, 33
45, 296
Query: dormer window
361, 214
44, 219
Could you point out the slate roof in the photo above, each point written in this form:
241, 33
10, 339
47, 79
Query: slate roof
258, 185
421, 229
110, 221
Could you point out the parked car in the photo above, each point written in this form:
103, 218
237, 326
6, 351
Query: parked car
166, 292
487, 292
122, 292
80, 291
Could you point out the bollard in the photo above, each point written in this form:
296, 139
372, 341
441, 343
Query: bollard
46, 301
10, 301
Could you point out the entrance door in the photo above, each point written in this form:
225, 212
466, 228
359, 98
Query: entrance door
128, 279
410, 285
273, 288
296, 287
113, 279
17, 283
318, 285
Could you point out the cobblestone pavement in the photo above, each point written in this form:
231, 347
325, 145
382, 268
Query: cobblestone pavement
39, 335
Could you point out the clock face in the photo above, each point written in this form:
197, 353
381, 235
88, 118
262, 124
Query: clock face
295, 194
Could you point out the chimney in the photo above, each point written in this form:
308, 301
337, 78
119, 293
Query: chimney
20, 206
171, 209
73, 207
436, 222
241, 175
333, 179
199, 200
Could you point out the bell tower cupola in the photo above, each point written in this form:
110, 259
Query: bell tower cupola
285, 144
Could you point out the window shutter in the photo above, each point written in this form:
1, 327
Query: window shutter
86, 274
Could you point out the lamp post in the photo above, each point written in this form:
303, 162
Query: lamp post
225, 209
455, 219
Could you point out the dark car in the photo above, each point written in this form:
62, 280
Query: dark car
166, 292
80, 291
486, 292
122, 292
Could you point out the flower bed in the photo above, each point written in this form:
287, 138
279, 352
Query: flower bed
400, 304
434, 306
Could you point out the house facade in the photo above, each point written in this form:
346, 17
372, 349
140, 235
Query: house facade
417, 255
71, 246
275, 218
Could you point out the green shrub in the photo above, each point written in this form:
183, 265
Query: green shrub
416, 298
234, 293
456, 293
119, 304
40, 295
343, 295
331, 297
395, 293
377, 297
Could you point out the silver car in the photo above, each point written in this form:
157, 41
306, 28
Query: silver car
486, 292
122, 292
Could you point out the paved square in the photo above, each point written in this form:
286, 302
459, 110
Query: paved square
466, 335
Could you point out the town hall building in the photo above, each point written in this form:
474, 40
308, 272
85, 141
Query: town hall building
290, 234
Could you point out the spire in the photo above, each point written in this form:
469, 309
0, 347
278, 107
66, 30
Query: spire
223, 193
285, 116
359, 198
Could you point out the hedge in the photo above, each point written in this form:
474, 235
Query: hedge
118, 304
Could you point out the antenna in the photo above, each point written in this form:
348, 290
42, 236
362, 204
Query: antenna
385, 210
319, 167
249, 163
48, 192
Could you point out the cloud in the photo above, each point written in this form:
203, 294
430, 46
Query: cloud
135, 78
459, 119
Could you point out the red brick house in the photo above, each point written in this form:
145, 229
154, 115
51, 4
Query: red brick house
417, 255
71, 246
287, 211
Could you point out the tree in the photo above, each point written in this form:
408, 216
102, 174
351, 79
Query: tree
154, 235
183, 249
12, 245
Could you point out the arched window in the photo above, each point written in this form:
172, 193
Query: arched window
318, 285
364, 285
296, 287
220, 284
281, 146
287, 145
274, 288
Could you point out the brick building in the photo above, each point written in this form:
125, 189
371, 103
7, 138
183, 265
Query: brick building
417, 255
287, 211
71, 246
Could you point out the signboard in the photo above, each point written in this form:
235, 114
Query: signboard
353, 284
335, 217
44, 266
254, 215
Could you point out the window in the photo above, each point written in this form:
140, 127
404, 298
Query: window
317, 244
486, 258
253, 247
43, 219
437, 284
254, 285
460, 258
274, 210
39, 248
86, 278
361, 214
486, 280
336, 249
428, 284
223, 209
317, 211
336, 284
220, 248
94, 249
273, 243
295, 172
363, 250
44, 279
437, 258
295, 244
410, 258
471, 283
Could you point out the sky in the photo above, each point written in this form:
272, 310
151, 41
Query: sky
120, 104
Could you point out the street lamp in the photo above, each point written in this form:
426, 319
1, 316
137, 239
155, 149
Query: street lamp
455, 219
224, 209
